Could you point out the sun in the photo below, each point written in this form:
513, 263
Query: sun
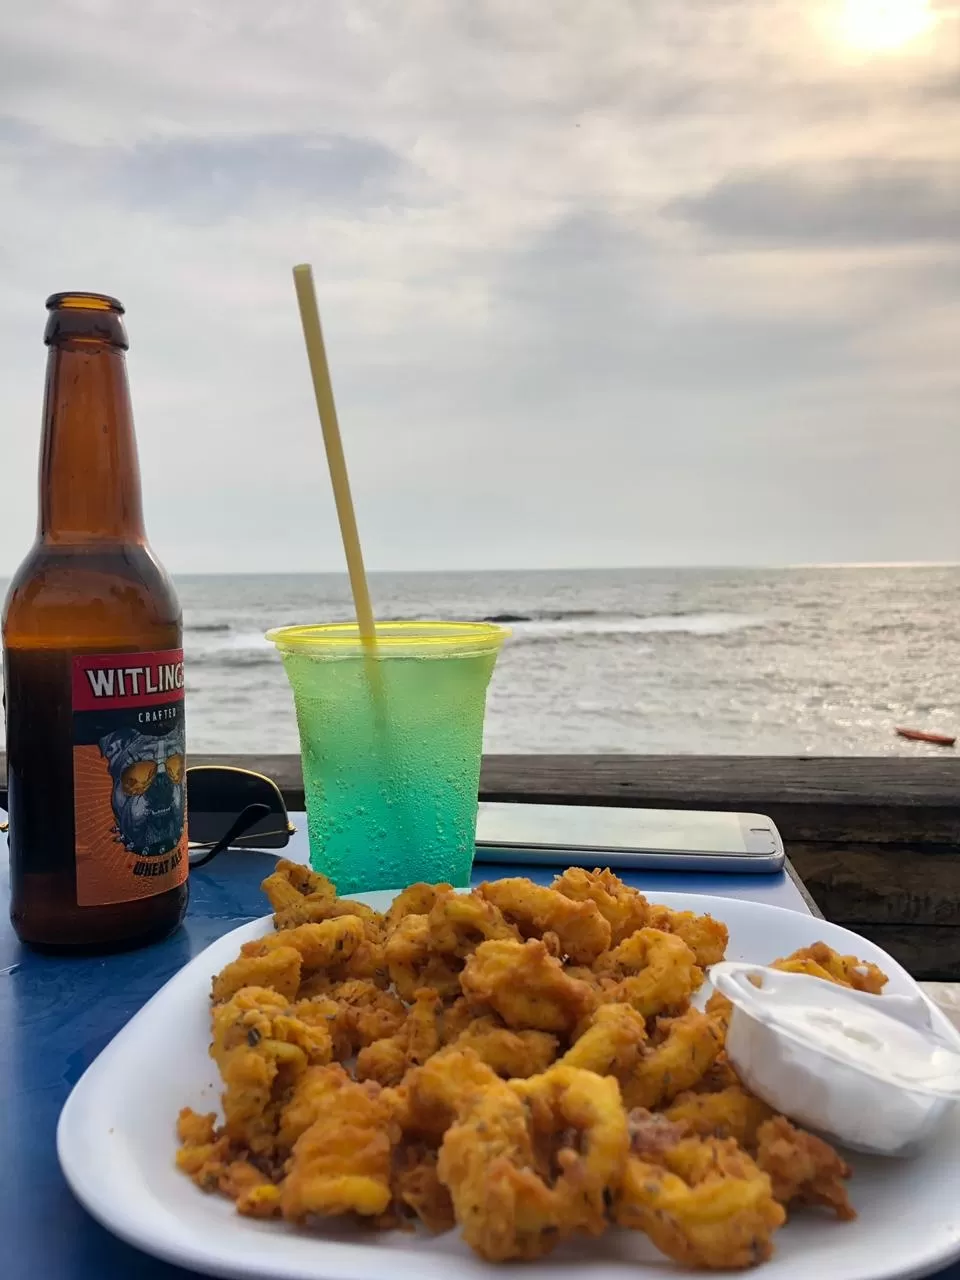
883, 26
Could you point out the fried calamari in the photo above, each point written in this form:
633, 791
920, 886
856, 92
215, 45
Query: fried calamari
611, 1043
707, 938
526, 986
681, 1050
656, 972
803, 1169
343, 1162
623, 908
581, 931
261, 1047
823, 962
702, 1201
731, 1112
523, 1063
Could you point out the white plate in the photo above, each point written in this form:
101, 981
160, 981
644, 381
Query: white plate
116, 1144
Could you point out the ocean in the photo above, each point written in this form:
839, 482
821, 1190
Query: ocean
818, 661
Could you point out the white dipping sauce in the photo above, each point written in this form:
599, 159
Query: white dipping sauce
866, 1037
870, 1070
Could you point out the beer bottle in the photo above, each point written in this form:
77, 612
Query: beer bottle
93, 668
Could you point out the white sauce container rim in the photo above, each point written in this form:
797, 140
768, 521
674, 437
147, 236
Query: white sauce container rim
732, 979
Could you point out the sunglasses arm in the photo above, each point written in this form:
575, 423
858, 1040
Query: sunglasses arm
241, 824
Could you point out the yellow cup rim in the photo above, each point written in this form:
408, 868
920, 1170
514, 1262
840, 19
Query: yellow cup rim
435, 638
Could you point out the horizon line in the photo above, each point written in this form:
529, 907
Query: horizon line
598, 568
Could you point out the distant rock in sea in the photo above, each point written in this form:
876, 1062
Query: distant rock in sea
508, 617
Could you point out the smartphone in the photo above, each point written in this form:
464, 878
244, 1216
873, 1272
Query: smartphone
655, 839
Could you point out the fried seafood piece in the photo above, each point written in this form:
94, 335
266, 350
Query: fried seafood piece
718, 1077
214, 1168
310, 1094
388, 1060
610, 1043
707, 938
318, 984
194, 1129
343, 1162
457, 1017
847, 971
366, 1012
511, 1054
427, 1101
428, 950
355, 1013
368, 962
581, 930
412, 962
721, 1075
361, 959
681, 1050
314, 911
580, 1139
732, 1112
526, 986
459, 922
702, 1202
333, 1016
415, 900
292, 880
255, 1195
808, 967
299, 895
417, 1187
486, 1161
624, 909
261, 1048
803, 1169
528, 1162
584, 973
720, 1008
204, 1152
320, 946
277, 969
651, 970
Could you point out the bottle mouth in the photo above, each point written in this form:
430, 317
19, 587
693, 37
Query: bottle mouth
85, 318
78, 300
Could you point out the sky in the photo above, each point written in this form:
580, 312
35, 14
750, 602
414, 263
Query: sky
624, 282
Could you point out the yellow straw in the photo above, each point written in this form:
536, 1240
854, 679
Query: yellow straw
327, 409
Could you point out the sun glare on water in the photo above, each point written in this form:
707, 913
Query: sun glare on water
883, 26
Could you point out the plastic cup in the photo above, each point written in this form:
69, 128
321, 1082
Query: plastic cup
391, 738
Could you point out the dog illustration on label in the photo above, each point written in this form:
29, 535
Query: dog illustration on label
148, 788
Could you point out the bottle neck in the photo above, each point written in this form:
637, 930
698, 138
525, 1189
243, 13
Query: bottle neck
89, 472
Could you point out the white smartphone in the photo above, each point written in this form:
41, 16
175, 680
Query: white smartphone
655, 839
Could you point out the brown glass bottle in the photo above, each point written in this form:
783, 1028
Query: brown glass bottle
93, 673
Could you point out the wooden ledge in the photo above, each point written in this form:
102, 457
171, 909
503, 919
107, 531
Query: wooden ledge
875, 840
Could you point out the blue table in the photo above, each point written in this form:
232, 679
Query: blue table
56, 1014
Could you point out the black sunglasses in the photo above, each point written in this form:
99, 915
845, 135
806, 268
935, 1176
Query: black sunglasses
229, 808
233, 808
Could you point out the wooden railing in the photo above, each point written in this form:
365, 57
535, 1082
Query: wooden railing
876, 841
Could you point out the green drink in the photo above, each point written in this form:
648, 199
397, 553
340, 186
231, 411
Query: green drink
391, 737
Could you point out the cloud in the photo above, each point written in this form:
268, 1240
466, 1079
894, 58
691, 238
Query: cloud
224, 176
214, 178
614, 282
860, 203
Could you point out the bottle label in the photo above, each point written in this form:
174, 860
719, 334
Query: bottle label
129, 783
